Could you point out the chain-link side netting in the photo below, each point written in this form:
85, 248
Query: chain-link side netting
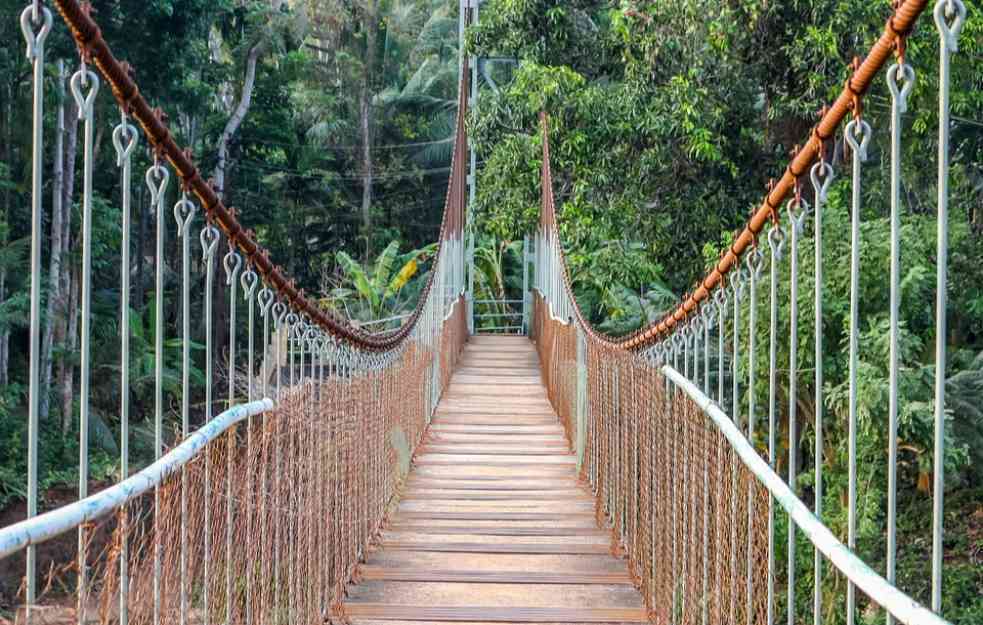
683, 509
268, 523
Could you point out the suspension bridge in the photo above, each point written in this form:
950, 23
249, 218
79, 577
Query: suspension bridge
429, 474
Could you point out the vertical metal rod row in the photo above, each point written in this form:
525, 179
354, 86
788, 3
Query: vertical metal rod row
81, 80
125, 139
250, 281
157, 195
737, 288
775, 243
685, 484
706, 314
279, 314
35, 54
291, 327
720, 300
820, 187
233, 263
797, 212
898, 71
183, 213
696, 351
265, 302
209, 243
858, 136
674, 488
955, 11
754, 264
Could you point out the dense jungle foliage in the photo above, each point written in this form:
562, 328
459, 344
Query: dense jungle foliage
329, 125
667, 121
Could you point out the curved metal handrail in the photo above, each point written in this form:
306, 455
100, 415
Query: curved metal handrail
899, 25
94, 47
46, 526
882, 592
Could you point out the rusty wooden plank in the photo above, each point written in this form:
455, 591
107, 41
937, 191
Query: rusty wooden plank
382, 573
494, 614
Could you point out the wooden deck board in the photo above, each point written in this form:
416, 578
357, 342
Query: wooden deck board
379, 573
493, 525
494, 614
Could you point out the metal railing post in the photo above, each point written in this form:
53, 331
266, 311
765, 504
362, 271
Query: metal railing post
526, 295
581, 396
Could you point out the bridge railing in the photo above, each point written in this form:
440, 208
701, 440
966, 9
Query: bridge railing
667, 428
262, 514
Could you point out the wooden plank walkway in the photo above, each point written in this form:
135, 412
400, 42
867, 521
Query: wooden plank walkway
493, 526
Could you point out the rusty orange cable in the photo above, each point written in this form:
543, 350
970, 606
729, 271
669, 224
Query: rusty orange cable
900, 24
93, 47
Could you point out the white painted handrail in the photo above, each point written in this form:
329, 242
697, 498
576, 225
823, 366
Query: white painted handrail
50, 524
882, 592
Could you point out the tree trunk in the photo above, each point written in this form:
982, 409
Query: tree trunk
235, 121
4, 336
68, 321
8, 151
371, 24
138, 283
365, 111
54, 267
68, 363
228, 134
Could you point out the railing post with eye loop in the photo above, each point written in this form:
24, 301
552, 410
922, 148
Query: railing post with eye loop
34, 17
209, 239
85, 79
720, 303
184, 213
125, 140
949, 18
858, 135
821, 176
798, 212
250, 282
776, 244
754, 263
737, 286
900, 71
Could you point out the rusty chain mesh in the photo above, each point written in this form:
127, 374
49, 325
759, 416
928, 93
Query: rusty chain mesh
268, 523
307, 487
683, 509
